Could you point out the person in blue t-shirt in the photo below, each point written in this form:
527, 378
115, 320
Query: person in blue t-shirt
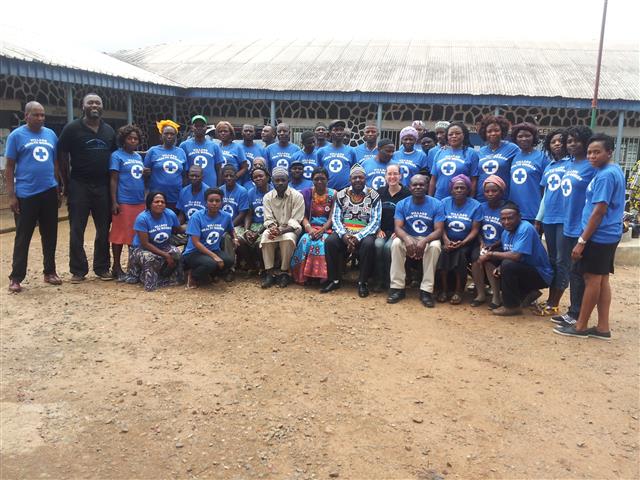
410, 159
458, 157
427, 142
280, 154
462, 219
601, 230
231, 152
31, 183
153, 261
127, 192
490, 232
191, 197
440, 132
167, 165
375, 168
204, 256
368, 149
251, 150
322, 135
526, 171
308, 155
337, 158
202, 151
235, 198
524, 265
496, 156
419, 225
297, 180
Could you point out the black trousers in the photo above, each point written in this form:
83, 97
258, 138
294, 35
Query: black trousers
517, 280
335, 250
89, 199
42, 209
203, 267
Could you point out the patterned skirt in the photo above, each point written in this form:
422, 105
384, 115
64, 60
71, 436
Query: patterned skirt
152, 270
308, 260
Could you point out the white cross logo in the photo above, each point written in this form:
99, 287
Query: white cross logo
553, 182
448, 168
457, 226
405, 171
161, 237
136, 171
490, 167
191, 211
227, 208
335, 165
259, 211
308, 171
419, 226
378, 182
201, 161
283, 162
41, 154
170, 167
212, 238
519, 176
489, 231
567, 187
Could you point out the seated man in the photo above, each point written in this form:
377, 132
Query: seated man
283, 214
524, 264
419, 223
356, 219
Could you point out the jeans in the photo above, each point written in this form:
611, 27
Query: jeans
41, 208
559, 258
576, 282
383, 260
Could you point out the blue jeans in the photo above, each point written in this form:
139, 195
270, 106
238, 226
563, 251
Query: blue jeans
559, 258
576, 282
383, 260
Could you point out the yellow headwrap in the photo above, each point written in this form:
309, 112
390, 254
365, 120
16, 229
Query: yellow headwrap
167, 123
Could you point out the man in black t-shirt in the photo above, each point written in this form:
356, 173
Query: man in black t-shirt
85, 148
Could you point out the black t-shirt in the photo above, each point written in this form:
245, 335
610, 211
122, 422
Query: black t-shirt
389, 206
90, 151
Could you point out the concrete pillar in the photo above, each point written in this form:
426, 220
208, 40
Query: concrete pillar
379, 118
618, 152
273, 113
174, 104
496, 112
129, 109
69, 95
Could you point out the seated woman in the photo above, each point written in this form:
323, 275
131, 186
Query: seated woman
308, 260
493, 191
203, 255
153, 260
461, 227
249, 235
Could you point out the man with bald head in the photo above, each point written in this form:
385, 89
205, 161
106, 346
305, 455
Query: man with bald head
31, 181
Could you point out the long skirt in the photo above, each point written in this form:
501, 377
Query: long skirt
309, 260
152, 270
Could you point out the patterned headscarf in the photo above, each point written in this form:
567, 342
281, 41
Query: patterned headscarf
460, 178
417, 123
279, 171
497, 180
356, 169
167, 123
441, 124
408, 132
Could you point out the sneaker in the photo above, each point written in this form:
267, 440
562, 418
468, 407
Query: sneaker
104, 276
570, 331
77, 278
594, 333
564, 318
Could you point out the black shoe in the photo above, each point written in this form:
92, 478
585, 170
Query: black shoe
269, 281
594, 333
104, 276
330, 287
564, 319
284, 280
363, 290
427, 299
395, 295
570, 331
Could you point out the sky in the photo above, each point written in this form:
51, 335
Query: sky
118, 24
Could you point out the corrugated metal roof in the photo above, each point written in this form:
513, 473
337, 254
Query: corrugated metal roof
418, 67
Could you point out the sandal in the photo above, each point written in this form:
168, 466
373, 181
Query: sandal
442, 297
456, 299
543, 310
493, 306
476, 303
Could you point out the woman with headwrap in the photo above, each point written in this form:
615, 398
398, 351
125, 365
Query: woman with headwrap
494, 189
410, 159
418, 125
166, 163
461, 227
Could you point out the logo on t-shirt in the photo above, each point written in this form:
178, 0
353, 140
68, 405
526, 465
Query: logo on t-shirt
136, 171
419, 226
308, 171
456, 226
227, 208
41, 154
283, 162
170, 167
259, 211
161, 237
490, 167
553, 182
567, 187
404, 170
447, 168
489, 231
378, 182
519, 176
212, 238
191, 211
335, 166
201, 161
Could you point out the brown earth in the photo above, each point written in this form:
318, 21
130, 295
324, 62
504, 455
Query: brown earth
103, 380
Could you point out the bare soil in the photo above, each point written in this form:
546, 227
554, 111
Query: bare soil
103, 380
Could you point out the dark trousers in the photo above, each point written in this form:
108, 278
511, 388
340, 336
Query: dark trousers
576, 281
89, 199
203, 267
517, 280
335, 250
42, 209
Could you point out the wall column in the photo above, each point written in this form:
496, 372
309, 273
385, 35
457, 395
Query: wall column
619, 136
69, 95
129, 109
174, 105
273, 113
379, 118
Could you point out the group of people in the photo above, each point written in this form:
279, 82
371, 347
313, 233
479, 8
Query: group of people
426, 214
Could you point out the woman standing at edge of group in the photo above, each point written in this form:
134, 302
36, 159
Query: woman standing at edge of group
127, 192
551, 217
496, 156
601, 230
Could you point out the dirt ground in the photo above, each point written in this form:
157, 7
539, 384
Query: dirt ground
103, 380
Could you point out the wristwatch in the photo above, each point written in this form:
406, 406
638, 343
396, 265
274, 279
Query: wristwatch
582, 241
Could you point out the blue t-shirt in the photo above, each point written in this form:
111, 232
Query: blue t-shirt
303, 185
410, 163
526, 173
419, 218
553, 198
234, 201
374, 171
188, 203
448, 163
338, 162
159, 230
130, 181
251, 153
309, 160
574, 190
167, 167
255, 203
525, 241
607, 186
279, 156
363, 153
233, 154
459, 220
209, 229
206, 155
491, 227
495, 162
34, 154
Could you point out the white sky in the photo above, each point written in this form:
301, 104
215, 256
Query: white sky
109, 25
